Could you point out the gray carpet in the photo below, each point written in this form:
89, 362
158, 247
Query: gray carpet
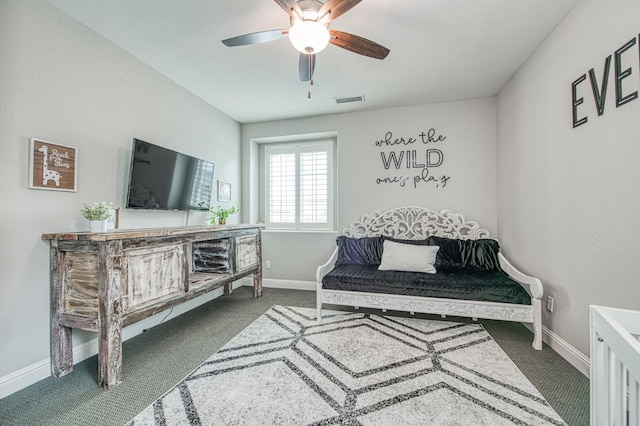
158, 359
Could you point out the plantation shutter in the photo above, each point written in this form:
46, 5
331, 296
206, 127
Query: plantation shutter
299, 187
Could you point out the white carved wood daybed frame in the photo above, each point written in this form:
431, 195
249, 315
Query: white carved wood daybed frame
414, 223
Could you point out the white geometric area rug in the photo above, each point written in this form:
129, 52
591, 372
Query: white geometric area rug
353, 369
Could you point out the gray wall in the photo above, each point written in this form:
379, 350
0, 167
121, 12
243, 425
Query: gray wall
65, 84
568, 199
469, 158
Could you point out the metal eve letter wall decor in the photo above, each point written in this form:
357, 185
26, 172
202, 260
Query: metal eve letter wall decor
599, 88
416, 156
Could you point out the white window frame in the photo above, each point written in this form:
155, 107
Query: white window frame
327, 145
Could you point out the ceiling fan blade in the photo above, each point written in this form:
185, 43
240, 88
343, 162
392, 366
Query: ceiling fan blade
253, 38
290, 6
337, 7
306, 66
358, 44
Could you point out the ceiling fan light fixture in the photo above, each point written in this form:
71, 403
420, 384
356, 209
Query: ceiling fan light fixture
309, 36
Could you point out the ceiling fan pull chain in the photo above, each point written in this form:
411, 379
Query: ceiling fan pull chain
310, 84
310, 71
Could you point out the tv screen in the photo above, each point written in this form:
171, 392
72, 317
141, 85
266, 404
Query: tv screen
162, 179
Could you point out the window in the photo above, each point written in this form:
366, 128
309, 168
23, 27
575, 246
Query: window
299, 185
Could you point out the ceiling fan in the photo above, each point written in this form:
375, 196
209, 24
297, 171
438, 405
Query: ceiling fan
309, 33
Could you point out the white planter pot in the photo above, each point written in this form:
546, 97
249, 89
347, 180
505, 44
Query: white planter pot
98, 225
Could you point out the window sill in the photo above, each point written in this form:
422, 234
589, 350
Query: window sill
300, 231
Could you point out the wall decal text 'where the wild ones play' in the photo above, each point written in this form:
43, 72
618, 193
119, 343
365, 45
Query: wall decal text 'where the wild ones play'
416, 156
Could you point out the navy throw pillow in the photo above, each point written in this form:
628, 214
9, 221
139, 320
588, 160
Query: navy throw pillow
359, 251
483, 254
480, 255
450, 253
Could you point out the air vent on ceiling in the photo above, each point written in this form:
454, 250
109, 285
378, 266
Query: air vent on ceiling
348, 99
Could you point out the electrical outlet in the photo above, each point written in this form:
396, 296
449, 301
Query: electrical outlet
267, 264
550, 303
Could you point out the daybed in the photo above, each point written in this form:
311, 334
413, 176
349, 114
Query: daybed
413, 259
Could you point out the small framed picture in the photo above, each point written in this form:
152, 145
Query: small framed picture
52, 166
224, 191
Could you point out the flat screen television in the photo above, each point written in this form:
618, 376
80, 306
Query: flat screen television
163, 179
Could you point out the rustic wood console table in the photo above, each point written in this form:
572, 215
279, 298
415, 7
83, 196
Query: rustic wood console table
104, 281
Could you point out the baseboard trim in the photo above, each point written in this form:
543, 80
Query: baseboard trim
40, 370
576, 358
284, 284
290, 284
563, 348
24, 377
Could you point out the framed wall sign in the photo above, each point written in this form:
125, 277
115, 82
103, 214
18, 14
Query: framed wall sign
52, 166
224, 191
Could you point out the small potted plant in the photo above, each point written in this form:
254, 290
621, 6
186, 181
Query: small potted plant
221, 214
97, 214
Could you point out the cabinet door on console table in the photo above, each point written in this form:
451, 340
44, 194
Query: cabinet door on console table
153, 274
246, 252
79, 284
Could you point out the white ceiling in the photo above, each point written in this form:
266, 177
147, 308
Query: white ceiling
441, 50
